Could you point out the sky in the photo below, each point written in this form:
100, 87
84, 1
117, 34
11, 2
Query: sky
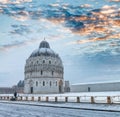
85, 33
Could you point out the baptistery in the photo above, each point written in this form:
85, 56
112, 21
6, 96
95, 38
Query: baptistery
44, 71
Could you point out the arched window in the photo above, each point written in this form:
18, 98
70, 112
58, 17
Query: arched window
49, 62
52, 73
37, 62
41, 72
31, 63
36, 83
56, 83
43, 83
50, 83
43, 61
35, 67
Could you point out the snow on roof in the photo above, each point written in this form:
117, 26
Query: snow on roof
104, 82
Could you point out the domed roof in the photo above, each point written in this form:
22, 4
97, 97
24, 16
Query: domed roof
44, 44
44, 49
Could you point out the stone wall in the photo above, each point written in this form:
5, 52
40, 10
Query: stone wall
96, 87
9, 90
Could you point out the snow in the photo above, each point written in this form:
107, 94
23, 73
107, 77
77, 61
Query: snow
57, 109
87, 83
50, 51
99, 97
60, 108
117, 93
42, 50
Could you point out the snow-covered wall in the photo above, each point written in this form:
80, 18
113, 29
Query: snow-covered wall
95, 87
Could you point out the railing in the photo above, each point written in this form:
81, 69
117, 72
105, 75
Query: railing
75, 99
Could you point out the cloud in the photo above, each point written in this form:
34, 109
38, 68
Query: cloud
17, 44
114, 0
86, 6
114, 36
14, 1
4, 1
95, 48
95, 25
107, 10
21, 16
78, 19
20, 29
55, 5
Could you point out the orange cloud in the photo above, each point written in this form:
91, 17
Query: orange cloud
57, 20
116, 22
114, 0
115, 36
90, 28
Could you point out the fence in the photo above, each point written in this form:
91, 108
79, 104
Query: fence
75, 99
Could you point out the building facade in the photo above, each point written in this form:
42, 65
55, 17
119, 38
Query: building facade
67, 86
44, 71
96, 87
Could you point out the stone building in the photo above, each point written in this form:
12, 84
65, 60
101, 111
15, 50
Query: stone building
67, 86
19, 88
44, 71
6, 90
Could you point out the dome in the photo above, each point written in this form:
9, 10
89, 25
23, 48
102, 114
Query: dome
45, 50
44, 44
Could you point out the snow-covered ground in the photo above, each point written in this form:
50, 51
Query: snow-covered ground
102, 107
115, 93
60, 109
17, 110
